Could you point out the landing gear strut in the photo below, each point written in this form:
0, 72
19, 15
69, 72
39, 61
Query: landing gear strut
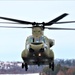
24, 65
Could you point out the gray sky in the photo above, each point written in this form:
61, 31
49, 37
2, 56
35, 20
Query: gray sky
12, 41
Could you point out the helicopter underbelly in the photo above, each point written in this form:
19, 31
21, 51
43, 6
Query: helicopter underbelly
41, 62
36, 60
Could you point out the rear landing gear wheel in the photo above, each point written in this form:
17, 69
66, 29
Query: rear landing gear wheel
26, 67
51, 65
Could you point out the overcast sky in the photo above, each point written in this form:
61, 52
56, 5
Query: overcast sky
12, 41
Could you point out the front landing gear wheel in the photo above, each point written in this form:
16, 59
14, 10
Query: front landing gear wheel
23, 65
26, 67
38, 64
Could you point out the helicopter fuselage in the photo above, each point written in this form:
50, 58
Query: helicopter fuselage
37, 49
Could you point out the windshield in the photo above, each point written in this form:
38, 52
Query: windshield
41, 39
36, 40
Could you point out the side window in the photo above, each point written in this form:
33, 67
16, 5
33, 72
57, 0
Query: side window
31, 40
28, 40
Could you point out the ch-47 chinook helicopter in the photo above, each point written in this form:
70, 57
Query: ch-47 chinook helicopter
38, 47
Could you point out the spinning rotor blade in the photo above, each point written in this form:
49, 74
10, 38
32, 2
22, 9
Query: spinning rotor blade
64, 22
33, 23
13, 27
40, 23
43, 24
9, 23
16, 20
54, 28
56, 19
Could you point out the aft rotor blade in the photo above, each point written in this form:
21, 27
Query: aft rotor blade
13, 27
54, 28
56, 19
16, 20
64, 22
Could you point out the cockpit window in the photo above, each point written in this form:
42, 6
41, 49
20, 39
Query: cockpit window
36, 40
41, 39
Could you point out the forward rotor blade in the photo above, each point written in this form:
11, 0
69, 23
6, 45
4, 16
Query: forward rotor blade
16, 20
9, 23
54, 28
13, 27
56, 19
40, 23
